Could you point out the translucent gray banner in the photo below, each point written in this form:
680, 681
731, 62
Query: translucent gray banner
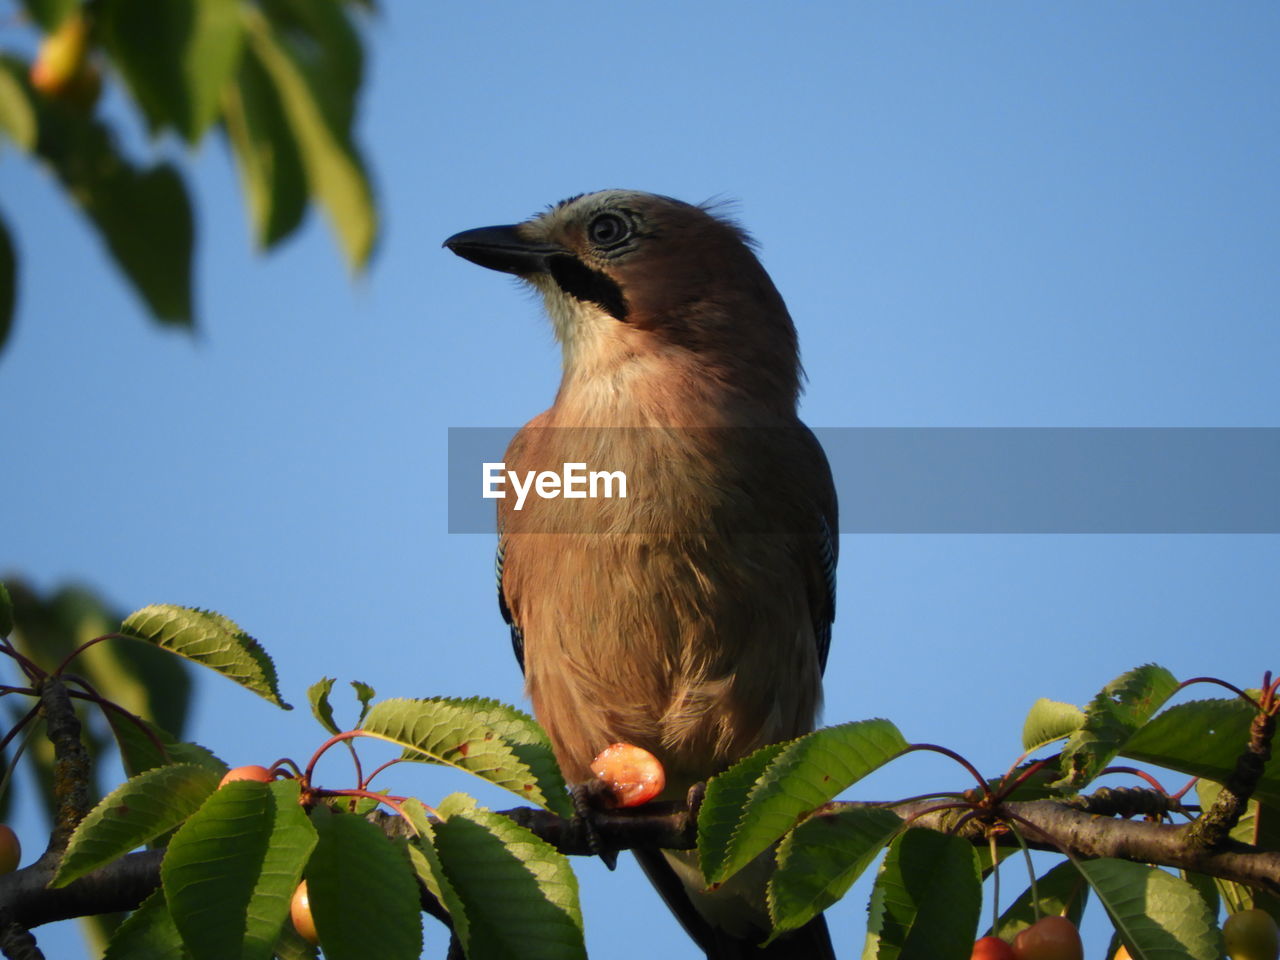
936, 480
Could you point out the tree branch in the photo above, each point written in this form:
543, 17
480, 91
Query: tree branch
1083, 825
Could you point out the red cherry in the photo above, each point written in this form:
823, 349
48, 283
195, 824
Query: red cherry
250, 772
633, 774
991, 948
1049, 938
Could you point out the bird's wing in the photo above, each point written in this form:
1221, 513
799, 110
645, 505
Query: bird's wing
826, 549
517, 635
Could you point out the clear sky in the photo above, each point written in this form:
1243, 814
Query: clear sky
997, 214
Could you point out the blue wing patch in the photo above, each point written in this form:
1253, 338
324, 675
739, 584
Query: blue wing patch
517, 635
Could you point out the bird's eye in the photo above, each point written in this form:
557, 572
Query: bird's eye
608, 229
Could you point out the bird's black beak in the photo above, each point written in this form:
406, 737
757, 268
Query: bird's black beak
502, 248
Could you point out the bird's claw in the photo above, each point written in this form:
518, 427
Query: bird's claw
586, 801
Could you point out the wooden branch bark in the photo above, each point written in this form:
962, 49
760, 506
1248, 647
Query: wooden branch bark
1076, 825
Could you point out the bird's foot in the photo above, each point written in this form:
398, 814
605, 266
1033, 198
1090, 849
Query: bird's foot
588, 800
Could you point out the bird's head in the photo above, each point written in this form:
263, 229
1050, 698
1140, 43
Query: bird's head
636, 282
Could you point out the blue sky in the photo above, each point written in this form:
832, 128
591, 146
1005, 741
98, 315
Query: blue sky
980, 215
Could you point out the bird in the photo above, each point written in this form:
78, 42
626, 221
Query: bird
693, 616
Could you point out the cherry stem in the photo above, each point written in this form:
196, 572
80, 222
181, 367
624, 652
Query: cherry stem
17, 754
83, 647
390, 763
392, 802
995, 881
1031, 870
1027, 774
320, 750
1183, 792
284, 762
973, 771
17, 727
93, 696
1222, 683
29, 667
1135, 772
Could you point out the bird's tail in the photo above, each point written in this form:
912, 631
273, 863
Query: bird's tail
665, 872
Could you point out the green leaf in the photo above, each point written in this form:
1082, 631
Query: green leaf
335, 173
821, 859
722, 804
321, 709
291, 843
363, 895
805, 774
176, 55
430, 871
492, 740
1063, 893
147, 934
139, 752
212, 866
209, 639
1158, 916
150, 804
17, 112
48, 14
1119, 709
365, 694
1202, 738
1049, 721
291, 946
926, 900
8, 298
519, 893
6, 612
266, 153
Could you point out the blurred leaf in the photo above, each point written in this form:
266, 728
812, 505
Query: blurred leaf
1119, 709
210, 639
926, 900
484, 737
536, 916
324, 44
137, 811
176, 56
212, 867
139, 752
17, 112
318, 697
147, 934
143, 215
821, 859
265, 151
49, 13
1202, 738
1063, 893
335, 173
1049, 721
1158, 916
6, 612
804, 775
362, 892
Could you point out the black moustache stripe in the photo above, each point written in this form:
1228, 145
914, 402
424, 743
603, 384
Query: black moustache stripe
581, 282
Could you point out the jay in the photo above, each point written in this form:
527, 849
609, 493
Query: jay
693, 617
